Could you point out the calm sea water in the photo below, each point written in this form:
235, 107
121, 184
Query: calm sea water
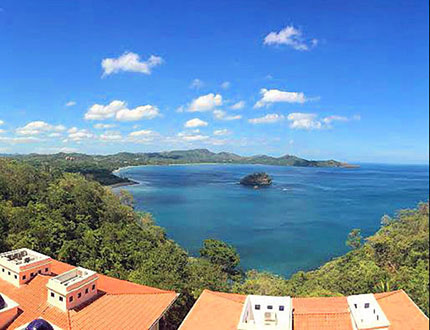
298, 223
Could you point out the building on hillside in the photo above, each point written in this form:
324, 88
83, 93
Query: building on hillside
38, 292
382, 311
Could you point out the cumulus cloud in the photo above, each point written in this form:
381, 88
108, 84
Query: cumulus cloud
221, 132
192, 136
111, 136
1, 122
104, 126
144, 132
267, 119
130, 62
197, 84
138, 113
291, 37
75, 134
39, 127
270, 96
226, 85
101, 112
333, 118
222, 115
238, 105
70, 104
310, 121
306, 121
195, 122
119, 111
19, 139
205, 103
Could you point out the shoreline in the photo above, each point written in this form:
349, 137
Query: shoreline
122, 184
130, 182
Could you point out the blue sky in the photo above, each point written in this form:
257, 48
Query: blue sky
318, 79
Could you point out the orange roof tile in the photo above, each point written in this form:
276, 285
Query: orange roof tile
214, 311
119, 304
321, 313
221, 311
401, 311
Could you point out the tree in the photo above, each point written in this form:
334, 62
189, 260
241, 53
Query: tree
222, 254
354, 239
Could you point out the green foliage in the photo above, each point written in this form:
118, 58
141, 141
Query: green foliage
355, 239
222, 254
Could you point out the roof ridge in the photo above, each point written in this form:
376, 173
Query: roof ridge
321, 313
386, 294
225, 295
137, 293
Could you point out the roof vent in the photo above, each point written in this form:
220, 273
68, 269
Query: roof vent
20, 266
39, 324
366, 312
266, 312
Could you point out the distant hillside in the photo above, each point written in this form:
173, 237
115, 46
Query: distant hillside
100, 167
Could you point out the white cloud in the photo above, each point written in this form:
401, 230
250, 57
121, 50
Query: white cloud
39, 127
138, 113
221, 132
54, 135
196, 84
238, 105
2, 131
104, 126
70, 104
267, 119
144, 133
333, 118
195, 122
119, 111
222, 115
76, 134
275, 96
307, 121
290, 36
192, 136
226, 85
111, 136
205, 103
1, 122
18, 140
130, 62
101, 112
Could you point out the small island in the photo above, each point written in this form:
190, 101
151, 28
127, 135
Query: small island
256, 180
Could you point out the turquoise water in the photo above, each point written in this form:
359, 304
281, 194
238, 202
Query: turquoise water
297, 224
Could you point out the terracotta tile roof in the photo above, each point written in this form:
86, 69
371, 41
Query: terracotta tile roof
321, 313
221, 311
118, 305
401, 311
214, 311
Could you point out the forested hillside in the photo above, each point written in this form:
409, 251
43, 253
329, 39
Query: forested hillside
100, 167
83, 223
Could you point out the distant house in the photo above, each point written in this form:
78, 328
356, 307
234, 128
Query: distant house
41, 293
225, 311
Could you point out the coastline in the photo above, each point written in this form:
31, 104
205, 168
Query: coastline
122, 184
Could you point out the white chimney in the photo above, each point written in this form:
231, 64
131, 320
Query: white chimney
70, 289
366, 313
266, 312
20, 266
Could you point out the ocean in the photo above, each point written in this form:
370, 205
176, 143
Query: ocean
298, 223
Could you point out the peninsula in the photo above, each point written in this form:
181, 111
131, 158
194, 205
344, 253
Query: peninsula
100, 167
